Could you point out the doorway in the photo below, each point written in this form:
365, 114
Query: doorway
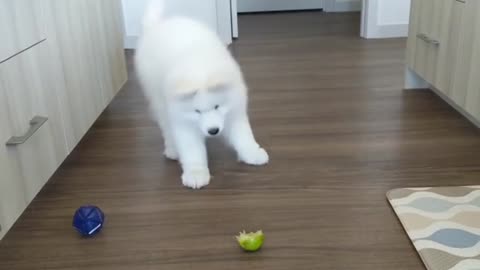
278, 5
259, 6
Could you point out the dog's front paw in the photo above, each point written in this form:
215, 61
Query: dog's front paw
257, 157
196, 178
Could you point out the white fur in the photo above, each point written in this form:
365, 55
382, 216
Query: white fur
194, 86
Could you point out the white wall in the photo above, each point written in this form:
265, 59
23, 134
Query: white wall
385, 18
214, 13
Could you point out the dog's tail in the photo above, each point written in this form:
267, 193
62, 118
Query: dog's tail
154, 13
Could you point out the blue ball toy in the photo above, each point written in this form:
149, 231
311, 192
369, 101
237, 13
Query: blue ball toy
88, 220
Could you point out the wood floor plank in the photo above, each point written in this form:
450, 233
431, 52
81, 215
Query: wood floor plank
341, 132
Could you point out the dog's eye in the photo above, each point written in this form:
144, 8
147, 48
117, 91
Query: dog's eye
217, 107
198, 111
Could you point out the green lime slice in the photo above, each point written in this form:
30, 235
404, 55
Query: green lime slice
251, 241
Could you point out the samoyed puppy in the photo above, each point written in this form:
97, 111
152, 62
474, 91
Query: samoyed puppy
195, 90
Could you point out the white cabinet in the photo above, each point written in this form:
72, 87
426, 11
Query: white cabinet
433, 40
31, 89
426, 18
444, 50
473, 88
62, 76
464, 84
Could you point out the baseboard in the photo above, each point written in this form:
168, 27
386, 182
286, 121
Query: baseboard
130, 42
347, 6
248, 6
342, 6
389, 31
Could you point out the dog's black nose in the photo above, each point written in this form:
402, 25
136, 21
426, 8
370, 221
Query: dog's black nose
213, 131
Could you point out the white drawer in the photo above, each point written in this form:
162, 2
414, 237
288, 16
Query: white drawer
12, 193
30, 88
21, 26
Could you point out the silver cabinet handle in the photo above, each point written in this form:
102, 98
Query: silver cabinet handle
35, 124
428, 39
434, 42
422, 37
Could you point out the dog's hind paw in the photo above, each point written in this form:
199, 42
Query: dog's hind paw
196, 178
256, 157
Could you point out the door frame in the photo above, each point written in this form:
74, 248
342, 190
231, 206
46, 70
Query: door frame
369, 26
364, 22
225, 20
234, 8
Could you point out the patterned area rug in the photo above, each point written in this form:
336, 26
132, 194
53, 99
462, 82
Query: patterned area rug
443, 224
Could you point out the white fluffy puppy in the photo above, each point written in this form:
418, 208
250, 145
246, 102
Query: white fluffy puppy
196, 90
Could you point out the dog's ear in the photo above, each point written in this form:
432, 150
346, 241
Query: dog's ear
219, 88
219, 81
184, 89
186, 96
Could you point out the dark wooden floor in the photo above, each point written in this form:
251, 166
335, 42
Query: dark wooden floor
341, 132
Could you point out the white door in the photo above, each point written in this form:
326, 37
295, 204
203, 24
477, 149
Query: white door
277, 5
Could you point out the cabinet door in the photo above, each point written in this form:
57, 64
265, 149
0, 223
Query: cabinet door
20, 26
88, 36
30, 87
423, 55
114, 25
413, 32
462, 73
106, 32
450, 29
12, 195
69, 23
473, 88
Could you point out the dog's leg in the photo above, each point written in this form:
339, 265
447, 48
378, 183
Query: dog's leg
240, 136
170, 151
192, 151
